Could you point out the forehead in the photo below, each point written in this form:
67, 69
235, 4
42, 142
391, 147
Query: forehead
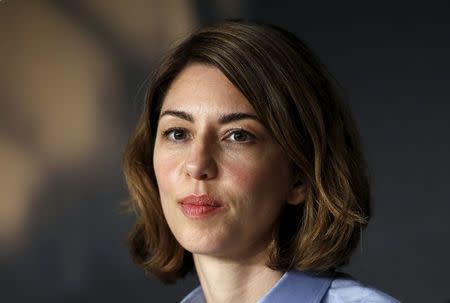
201, 87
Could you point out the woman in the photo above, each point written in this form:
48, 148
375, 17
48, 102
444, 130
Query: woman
246, 165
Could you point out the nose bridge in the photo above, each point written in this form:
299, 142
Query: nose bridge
200, 162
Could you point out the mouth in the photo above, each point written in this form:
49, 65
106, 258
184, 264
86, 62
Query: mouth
196, 207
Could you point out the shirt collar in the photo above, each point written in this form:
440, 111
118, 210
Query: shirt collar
297, 286
294, 286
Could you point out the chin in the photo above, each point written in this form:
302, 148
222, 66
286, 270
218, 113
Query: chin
202, 250
203, 245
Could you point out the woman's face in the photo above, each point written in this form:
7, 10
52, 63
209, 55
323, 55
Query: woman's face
223, 180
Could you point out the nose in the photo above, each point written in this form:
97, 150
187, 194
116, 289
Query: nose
200, 163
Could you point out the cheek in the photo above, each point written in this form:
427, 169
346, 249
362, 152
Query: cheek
237, 173
165, 168
264, 174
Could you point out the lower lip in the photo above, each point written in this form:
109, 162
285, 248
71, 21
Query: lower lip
199, 211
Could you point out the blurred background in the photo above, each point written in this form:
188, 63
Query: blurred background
72, 80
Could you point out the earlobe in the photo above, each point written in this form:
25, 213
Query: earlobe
297, 194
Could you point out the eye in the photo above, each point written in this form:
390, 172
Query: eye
240, 135
175, 134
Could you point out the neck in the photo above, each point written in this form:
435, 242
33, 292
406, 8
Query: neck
243, 281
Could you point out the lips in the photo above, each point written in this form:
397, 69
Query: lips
196, 207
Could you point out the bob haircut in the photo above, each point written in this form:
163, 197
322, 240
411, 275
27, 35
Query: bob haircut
303, 108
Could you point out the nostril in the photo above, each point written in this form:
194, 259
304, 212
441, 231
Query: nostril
201, 170
203, 176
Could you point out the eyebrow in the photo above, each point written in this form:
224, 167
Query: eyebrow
178, 114
223, 119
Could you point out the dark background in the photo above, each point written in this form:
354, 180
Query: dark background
71, 87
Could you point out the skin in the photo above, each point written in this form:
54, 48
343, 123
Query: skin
239, 164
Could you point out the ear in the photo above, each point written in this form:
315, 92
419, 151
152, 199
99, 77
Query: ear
297, 194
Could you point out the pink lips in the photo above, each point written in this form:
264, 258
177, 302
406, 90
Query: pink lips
196, 207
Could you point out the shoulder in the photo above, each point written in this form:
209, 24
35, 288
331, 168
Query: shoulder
346, 289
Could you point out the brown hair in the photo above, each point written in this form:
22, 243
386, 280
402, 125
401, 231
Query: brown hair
303, 108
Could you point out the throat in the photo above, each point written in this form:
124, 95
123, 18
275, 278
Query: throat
228, 282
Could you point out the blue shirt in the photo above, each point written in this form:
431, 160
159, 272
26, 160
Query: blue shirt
296, 286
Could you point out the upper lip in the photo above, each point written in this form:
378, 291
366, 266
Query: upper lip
200, 200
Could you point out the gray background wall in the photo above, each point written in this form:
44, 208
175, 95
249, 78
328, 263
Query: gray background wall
70, 90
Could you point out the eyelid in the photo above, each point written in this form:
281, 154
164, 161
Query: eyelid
166, 133
230, 132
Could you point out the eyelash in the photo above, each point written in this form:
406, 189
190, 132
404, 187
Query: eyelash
250, 137
170, 131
